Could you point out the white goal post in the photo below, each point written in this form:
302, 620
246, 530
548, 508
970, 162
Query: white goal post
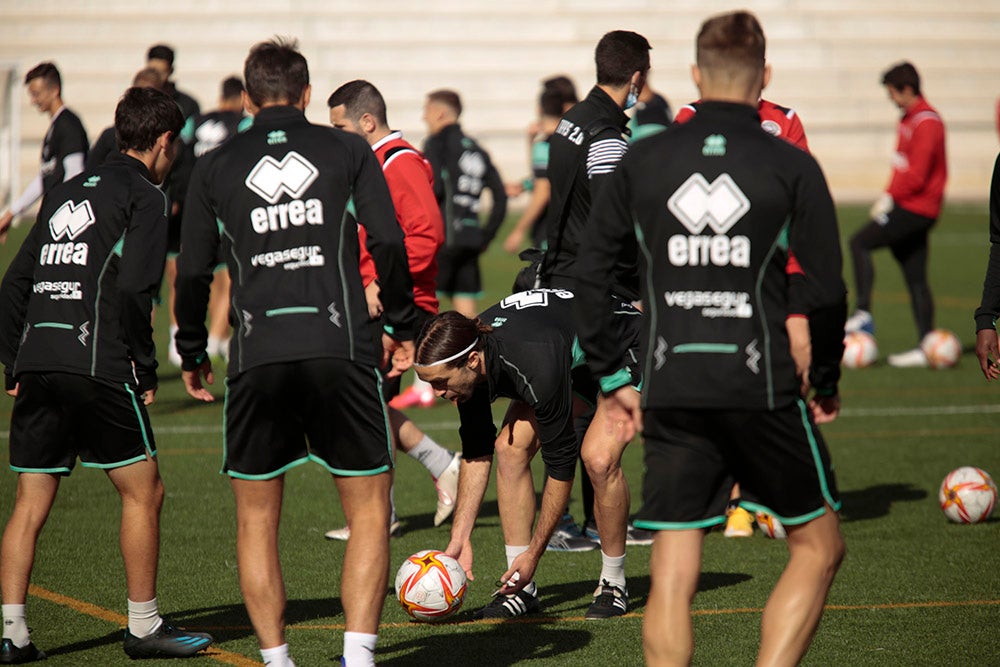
10, 133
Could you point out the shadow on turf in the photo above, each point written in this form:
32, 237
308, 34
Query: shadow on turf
876, 501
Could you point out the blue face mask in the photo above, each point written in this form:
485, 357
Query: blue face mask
631, 98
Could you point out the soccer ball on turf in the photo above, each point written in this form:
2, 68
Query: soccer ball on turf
430, 585
860, 350
967, 495
770, 526
942, 348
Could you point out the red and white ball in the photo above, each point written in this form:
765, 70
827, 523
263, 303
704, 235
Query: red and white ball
968, 495
860, 350
430, 585
770, 526
942, 348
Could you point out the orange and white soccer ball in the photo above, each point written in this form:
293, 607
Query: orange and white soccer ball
942, 348
770, 526
860, 350
968, 495
430, 585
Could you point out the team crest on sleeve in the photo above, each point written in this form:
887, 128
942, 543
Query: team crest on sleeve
271, 179
701, 206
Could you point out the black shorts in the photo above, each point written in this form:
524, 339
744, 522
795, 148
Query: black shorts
173, 235
693, 457
60, 416
329, 411
458, 272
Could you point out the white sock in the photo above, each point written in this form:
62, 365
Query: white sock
143, 618
213, 346
512, 553
613, 570
359, 649
173, 332
392, 505
432, 456
15, 628
277, 656
420, 385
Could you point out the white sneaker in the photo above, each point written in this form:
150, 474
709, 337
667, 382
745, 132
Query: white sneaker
861, 320
914, 358
447, 488
344, 533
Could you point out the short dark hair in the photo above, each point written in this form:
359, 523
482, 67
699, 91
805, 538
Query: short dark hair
275, 71
161, 52
142, 115
563, 86
48, 72
232, 87
359, 97
148, 77
733, 41
551, 103
449, 98
618, 55
902, 75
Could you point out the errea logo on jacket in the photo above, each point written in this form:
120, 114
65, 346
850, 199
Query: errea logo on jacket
718, 205
69, 221
271, 179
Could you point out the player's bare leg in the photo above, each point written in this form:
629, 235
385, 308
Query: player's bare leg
674, 568
218, 310
466, 305
602, 454
515, 447
141, 491
365, 572
35, 494
258, 513
795, 606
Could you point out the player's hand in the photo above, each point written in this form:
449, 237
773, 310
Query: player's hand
149, 396
5, 221
987, 352
372, 292
881, 208
13, 392
513, 241
399, 352
513, 189
192, 381
824, 408
462, 552
800, 345
519, 574
623, 413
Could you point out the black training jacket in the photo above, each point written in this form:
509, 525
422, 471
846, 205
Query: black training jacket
276, 198
78, 296
711, 203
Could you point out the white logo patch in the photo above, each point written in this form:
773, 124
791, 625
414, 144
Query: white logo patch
718, 205
292, 176
71, 219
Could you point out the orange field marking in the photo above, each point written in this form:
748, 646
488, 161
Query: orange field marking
92, 610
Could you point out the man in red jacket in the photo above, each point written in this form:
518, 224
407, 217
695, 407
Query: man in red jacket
903, 215
358, 107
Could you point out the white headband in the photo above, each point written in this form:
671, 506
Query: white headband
447, 359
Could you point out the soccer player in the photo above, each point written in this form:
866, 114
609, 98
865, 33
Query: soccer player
76, 341
208, 132
302, 382
462, 170
161, 58
652, 114
989, 309
107, 143
902, 217
523, 348
358, 107
64, 150
588, 144
721, 398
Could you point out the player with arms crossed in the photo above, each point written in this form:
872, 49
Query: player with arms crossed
525, 349
77, 344
722, 399
302, 380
